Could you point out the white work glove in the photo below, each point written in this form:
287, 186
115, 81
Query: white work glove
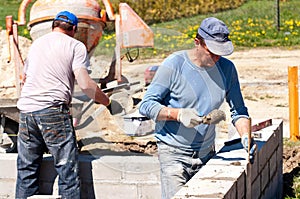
189, 117
253, 147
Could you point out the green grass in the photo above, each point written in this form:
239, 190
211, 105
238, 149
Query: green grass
11, 7
252, 25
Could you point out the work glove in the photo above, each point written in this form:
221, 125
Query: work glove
189, 117
253, 147
214, 117
114, 107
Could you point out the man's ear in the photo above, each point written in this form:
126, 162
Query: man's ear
197, 42
75, 28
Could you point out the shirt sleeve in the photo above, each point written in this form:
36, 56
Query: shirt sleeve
155, 97
233, 93
81, 59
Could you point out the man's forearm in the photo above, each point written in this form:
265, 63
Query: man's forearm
167, 113
94, 92
242, 125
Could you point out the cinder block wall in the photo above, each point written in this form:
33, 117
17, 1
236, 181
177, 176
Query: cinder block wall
227, 175
107, 177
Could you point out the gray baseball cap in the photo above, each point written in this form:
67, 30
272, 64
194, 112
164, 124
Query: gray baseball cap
215, 34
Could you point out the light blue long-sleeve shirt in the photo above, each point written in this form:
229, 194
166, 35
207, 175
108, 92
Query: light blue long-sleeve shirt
178, 83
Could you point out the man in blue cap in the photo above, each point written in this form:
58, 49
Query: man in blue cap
53, 63
190, 84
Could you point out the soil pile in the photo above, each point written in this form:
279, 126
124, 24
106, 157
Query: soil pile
7, 67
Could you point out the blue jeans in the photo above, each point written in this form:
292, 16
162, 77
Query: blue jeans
177, 166
48, 129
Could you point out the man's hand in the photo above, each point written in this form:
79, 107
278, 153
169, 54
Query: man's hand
253, 147
114, 107
189, 117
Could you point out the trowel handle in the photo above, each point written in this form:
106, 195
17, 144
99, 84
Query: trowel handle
249, 138
9, 30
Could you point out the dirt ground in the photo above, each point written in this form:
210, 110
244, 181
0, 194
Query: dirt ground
264, 81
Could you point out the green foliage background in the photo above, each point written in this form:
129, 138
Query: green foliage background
256, 23
154, 11
253, 23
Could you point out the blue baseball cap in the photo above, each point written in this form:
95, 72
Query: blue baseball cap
215, 34
68, 17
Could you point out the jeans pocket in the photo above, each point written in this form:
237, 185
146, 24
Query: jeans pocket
23, 133
53, 128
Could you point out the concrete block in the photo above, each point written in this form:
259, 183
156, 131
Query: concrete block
265, 177
149, 191
255, 189
229, 157
7, 188
273, 164
8, 166
270, 191
240, 184
115, 191
278, 182
104, 168
208, 188
232, 192
219, 172
263, 156
254, 168
141, 169
274, 188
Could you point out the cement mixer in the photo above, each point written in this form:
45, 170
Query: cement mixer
131, 32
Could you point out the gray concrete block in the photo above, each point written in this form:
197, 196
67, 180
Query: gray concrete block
7, 188
254, 167
270, 191
219, 172
104, 168
278, 182
141, 169
230, 157
205, 188
232, 192
149, 191
115, 191
263, 157
273, 164
265, 177
8, 166
255, 189
240, 184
